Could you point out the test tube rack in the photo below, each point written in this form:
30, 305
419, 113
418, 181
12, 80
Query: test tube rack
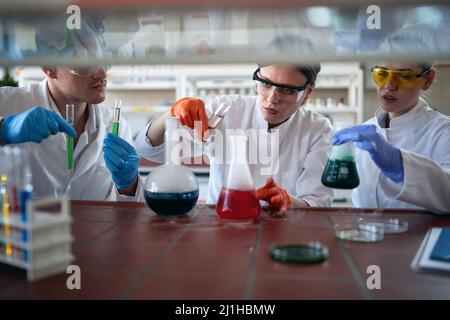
41, 245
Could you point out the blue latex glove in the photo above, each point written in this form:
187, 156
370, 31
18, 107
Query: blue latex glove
385, 155
34, 125
122, 161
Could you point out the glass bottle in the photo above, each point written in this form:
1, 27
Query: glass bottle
171, 189
237, 198
340, 171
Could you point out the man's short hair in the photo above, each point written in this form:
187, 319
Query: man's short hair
54, 39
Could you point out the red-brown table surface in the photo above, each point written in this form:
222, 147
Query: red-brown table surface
125, 251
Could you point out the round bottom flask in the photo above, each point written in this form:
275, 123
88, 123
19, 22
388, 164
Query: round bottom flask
171, 190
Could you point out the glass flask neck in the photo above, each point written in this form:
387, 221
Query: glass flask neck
237, 198
238, 149
238, 176
342, 152
171, 140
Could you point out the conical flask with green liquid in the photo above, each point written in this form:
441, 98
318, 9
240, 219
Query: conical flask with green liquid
340, 171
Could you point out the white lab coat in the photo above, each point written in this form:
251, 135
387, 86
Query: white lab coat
91, 178
304, 140
422, 135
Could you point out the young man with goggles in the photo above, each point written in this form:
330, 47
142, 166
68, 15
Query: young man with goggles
403, 153
304, 136
105, 165
283, 92
87, 71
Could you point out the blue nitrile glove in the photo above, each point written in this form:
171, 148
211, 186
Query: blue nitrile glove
34, 125
122, 160
385, 155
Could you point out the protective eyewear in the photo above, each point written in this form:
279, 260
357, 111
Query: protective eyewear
87, 71
402, 79
265, 87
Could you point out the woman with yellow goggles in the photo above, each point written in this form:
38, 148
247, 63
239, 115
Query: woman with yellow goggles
403, 152
404, 79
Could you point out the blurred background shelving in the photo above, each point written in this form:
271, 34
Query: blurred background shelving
148, 90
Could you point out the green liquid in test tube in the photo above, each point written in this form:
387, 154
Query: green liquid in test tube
115, 124
70, 117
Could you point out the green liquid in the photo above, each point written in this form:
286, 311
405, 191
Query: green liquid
115, 128
69, 153
340, 174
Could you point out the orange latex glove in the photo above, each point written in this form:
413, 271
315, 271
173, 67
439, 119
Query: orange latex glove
276, 196
189, 110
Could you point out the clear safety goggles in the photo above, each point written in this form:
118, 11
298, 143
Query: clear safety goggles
88, 71
401, 79
283, 92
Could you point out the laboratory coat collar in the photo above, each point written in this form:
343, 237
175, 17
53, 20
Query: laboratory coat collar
93, 151
43, 98
404, 120
261, 123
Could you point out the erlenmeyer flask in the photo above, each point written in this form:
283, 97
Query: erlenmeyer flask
237, 198
340, 171
171, 189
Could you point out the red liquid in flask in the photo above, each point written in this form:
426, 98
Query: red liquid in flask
237, 205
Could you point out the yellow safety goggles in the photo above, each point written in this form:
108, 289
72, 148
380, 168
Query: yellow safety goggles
402, 79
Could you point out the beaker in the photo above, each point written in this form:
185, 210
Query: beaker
171, 189
237, 199
340, 171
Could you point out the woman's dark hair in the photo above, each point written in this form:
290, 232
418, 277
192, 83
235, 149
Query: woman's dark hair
425, 65
309, 71
295, 44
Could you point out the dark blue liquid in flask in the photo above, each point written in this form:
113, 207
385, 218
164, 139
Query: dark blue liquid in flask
171, 189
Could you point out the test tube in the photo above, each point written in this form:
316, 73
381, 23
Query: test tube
5, 156
115, 124
17, 160
70, 118
25, 188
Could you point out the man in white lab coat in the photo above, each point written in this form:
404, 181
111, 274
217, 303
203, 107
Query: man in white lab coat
304, 136
403, 155
105, 165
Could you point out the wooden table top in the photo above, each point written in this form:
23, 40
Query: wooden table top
125, 251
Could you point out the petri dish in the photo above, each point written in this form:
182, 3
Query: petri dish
390, 226
311, 253
352, 232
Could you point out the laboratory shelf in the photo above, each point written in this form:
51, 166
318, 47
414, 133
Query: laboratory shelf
198, 32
